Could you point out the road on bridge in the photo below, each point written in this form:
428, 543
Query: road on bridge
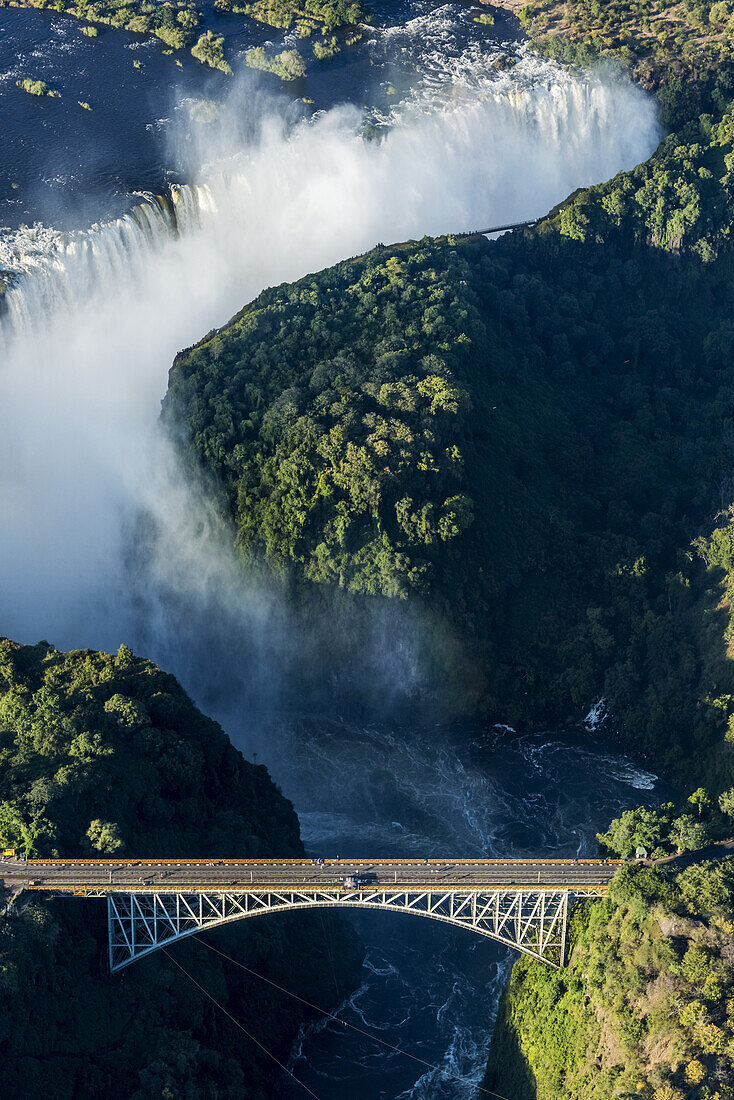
244, 875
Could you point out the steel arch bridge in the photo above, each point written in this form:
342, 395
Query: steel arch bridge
533, 922
151, 904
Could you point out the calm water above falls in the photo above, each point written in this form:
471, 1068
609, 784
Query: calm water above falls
69, 166
95, 317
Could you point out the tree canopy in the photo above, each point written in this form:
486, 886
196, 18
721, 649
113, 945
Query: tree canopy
643, 1007
106, 755
527, 438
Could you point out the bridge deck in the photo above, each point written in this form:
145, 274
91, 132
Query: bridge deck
246, 875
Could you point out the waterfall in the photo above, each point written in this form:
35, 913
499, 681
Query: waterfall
52, 271
90, 323
499, 152
190, 203
92, 319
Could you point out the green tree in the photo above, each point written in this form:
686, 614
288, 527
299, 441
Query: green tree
105, 836
701, 800
726, 802
688, 834
209, 49
129, 759
288, 65
639, 828
696, 964
15, 830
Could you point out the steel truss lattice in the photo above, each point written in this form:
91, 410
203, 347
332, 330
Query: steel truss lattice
531, 921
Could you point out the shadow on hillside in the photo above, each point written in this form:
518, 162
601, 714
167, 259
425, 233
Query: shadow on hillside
508, 1074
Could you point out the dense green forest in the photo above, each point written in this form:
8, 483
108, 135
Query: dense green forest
307, 15
106, 754
680, 49
530, 439
644, 1007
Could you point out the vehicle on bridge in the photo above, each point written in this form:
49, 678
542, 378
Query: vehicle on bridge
357, 881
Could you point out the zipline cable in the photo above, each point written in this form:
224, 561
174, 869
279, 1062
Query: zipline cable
345, 1023
238, 1024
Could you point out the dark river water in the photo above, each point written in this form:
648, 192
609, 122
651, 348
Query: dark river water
428, 988
104, 542
63, 164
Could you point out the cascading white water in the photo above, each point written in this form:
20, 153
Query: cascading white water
94, 318
55, 271
320, 191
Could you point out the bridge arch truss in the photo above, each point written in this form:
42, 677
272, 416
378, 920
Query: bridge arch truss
530, 921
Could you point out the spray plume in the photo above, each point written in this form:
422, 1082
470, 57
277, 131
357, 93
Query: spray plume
102, 539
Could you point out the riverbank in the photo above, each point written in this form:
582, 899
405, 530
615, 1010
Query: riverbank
681, 53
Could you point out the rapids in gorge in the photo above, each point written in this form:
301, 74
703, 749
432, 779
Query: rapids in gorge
434, 792
104, 540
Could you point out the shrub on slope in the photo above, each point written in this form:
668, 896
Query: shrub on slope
643, 1008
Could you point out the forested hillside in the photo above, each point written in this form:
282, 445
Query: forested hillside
679, 49
107, 755
532, 441
643, 1007
526, 438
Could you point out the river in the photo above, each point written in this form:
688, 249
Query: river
63, 164
413, 131
429, 989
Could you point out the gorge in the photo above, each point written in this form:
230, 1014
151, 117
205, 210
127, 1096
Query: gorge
439, 486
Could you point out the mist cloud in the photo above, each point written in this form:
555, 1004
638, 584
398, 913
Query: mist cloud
101, 537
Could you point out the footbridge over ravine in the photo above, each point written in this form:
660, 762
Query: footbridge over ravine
522, 903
